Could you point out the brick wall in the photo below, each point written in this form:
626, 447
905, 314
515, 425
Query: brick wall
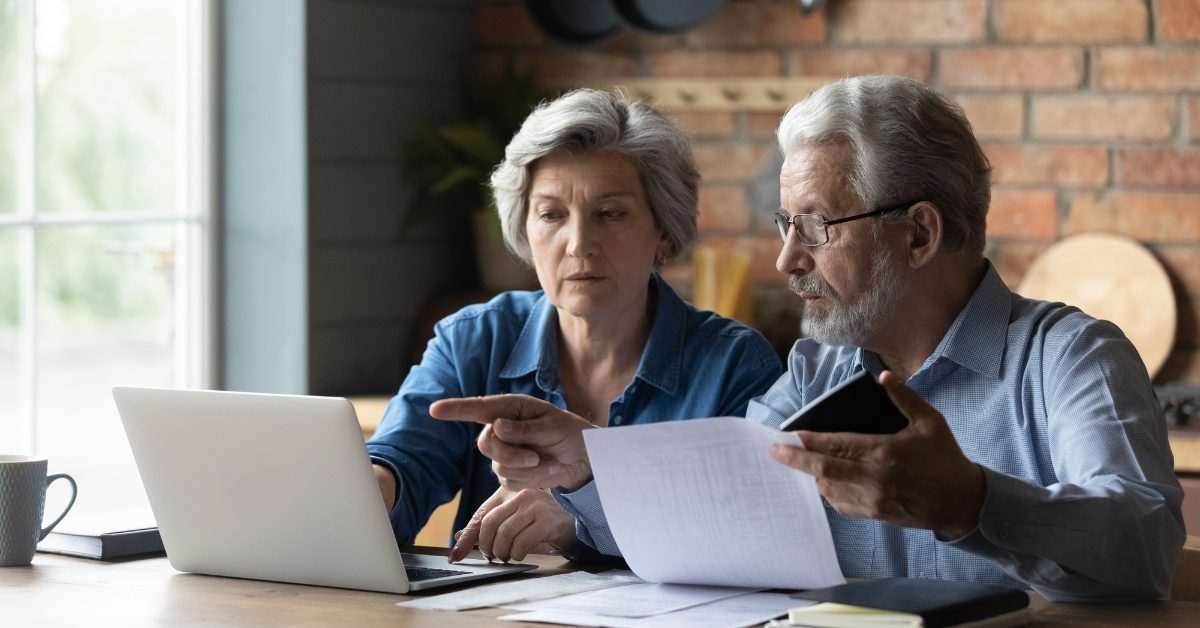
1088, 109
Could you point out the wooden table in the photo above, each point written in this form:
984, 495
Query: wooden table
65, 591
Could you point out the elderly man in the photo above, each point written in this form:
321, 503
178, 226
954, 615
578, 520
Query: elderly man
1036, 452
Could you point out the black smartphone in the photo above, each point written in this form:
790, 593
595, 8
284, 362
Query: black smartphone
858, 404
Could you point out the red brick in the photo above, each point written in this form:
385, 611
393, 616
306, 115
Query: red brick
1159, 167
633, 40
911, 62
994, 117
730, 162
705, 123
1011, 68
724, 208
761, 125
909, 21
575, 67
1041, 164
1072, 21
760, 24
1021, 213
668, 64
506, 25
1183, 263
1145, 216
1012, 259
1158, 69
1178, 20
1085, 117
1193, 117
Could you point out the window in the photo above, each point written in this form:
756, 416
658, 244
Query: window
104, 225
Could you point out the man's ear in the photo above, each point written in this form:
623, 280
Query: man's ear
925, 234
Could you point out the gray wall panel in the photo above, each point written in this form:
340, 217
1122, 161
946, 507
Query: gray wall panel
360, 359
367, 121
412, 43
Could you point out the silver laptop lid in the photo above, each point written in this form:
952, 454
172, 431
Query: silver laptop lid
270, 487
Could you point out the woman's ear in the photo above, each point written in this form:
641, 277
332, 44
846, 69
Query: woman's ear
663, 249
925, 236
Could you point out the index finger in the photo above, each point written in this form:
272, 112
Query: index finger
487, 409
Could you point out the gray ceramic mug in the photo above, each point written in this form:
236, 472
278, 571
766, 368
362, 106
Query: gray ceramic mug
23, 483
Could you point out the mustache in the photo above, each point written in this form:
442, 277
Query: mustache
809, 284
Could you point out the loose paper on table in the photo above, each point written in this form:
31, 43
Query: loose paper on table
702, 502
634, 600
507, 593
744, 610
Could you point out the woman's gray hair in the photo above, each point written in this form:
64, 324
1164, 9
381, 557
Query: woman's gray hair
908, 142
595, 121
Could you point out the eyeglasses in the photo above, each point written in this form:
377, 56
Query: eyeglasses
813, 229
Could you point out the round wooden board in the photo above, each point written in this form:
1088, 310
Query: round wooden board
1113, 278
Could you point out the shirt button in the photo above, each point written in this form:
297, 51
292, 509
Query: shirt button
616, 420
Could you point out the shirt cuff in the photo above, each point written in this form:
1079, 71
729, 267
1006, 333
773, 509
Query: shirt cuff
999, 532
591, 526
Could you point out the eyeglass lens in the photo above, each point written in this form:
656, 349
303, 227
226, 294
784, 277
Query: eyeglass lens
809, 228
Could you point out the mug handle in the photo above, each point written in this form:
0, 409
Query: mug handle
74, 492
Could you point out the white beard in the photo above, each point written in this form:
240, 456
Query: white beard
849, 324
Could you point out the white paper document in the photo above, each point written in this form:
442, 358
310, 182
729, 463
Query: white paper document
634, 600
507, 593
702, 502
736, 612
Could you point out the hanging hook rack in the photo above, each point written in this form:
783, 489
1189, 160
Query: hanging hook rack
717, 94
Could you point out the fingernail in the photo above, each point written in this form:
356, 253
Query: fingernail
502, 425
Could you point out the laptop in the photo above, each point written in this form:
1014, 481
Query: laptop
273, 487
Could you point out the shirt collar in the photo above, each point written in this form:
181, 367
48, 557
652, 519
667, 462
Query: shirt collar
536, 348
977, 337
662, 361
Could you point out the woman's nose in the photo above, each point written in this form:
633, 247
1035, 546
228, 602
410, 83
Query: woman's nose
581, 240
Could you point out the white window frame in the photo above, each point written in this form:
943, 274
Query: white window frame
196, 226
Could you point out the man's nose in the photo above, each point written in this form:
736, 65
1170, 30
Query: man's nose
793, 257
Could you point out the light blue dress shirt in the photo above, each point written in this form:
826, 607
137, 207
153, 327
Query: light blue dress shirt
695, 364
1057, 408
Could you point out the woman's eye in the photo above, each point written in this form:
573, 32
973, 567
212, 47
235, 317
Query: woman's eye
610, 214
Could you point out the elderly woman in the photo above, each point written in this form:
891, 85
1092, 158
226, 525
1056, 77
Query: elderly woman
596, 192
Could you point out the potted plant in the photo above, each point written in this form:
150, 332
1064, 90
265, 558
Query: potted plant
450, 163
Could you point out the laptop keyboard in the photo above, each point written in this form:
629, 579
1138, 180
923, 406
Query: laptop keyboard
429, 573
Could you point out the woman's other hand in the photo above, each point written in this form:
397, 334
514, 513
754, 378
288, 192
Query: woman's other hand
512, 524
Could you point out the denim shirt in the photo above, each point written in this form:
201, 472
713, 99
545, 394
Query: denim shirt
695, 364
1082, 502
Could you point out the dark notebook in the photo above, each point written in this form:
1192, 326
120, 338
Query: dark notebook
935, 602
106, 536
